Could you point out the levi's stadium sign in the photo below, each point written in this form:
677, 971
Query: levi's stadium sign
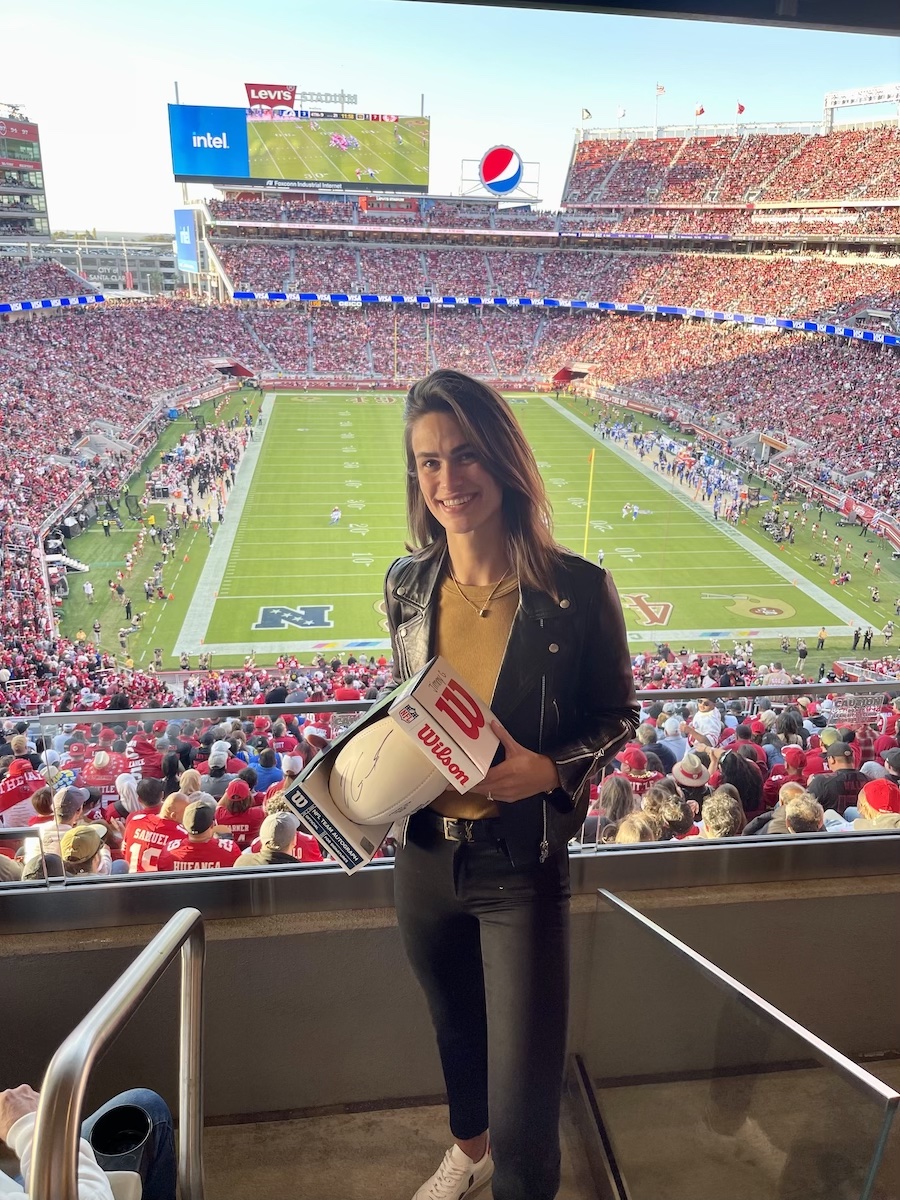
271, 95
285, 95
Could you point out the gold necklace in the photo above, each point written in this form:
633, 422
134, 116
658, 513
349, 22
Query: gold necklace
484, 610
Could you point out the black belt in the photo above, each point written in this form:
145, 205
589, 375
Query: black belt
458, 829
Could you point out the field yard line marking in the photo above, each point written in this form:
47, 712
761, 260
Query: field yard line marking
265, 145
295, 647
376, 593
764, 556
634, 635
281, 135
199, 614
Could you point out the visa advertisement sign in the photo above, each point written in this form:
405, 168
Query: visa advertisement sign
186, 252
208, 143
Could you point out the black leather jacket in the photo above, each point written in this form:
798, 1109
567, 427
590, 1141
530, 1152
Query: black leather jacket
565, 687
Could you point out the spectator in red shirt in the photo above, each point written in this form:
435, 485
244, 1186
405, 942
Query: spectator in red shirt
883, 743
127, 801
282, 741
743, 736
634, 768
147, 832
793, 770
145, 756
16, 790
200, 850
348, 691
100, 773
238, 814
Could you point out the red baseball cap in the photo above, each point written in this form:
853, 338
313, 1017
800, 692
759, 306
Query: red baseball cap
635, 758
882, 795
757, 727
794, 756
238, 789
107, 734
261, 723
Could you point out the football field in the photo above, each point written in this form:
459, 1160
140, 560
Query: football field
393, 152
279, 577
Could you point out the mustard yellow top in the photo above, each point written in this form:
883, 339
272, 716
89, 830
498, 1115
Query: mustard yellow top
475, 646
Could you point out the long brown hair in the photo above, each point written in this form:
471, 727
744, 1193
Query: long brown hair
489, 426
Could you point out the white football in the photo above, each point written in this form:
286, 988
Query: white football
380, 776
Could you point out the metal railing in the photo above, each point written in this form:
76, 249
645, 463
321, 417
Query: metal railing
54, 1170
248, 709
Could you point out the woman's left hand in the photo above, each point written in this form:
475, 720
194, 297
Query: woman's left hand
522, 773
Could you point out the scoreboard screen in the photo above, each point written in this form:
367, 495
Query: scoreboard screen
301, 148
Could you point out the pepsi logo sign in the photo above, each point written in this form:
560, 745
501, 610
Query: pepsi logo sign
500, 170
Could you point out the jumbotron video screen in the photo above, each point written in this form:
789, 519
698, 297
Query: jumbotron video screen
299, 147
341, 148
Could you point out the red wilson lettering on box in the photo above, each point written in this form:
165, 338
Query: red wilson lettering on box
462, 710
270, 95
442, 752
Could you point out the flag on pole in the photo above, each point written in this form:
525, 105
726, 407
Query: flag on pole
620, 113
585, 114
660, 90
699, 110
740, 108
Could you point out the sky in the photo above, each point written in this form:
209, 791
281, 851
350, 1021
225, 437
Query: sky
97, 76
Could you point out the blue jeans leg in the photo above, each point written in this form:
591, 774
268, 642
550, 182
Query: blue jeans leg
155, 1160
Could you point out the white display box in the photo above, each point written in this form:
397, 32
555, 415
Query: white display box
447, 722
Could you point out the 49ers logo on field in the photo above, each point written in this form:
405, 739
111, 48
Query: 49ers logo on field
747, 604
649, 612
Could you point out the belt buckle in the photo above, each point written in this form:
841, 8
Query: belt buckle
456, 830
448, 828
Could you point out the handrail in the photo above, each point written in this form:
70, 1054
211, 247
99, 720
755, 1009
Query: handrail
824, 1053
54, 1170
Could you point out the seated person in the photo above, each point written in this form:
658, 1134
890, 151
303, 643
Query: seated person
153, 1161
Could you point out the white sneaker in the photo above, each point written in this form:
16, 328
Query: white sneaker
457, 1177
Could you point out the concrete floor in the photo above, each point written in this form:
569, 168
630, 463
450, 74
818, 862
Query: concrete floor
358, 1156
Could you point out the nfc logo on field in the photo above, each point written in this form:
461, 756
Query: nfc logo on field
310, 616
500, 170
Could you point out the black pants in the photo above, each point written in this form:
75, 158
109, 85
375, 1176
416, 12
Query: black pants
489, 944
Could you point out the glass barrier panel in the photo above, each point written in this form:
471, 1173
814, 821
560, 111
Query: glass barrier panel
706, 1091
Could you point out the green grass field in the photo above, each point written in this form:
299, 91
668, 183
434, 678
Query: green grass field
279, 578
295, 150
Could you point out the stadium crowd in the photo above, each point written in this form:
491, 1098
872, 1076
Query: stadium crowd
842, 164
21, 279
111, 798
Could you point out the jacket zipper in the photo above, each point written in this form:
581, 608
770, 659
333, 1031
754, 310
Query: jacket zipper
625, 727
545, 846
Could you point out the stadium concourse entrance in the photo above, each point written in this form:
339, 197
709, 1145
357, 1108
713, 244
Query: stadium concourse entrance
716, 1051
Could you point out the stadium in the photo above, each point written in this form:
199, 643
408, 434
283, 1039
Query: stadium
710, 288
202, 493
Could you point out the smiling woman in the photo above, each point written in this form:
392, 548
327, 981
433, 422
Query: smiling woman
481, 880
